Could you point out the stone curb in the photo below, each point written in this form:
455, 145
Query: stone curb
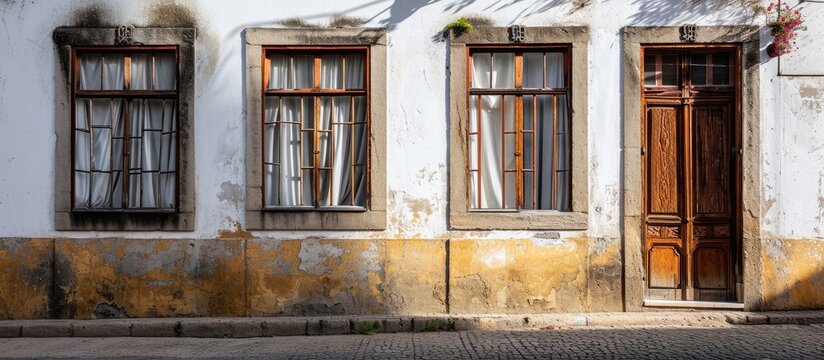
338, 325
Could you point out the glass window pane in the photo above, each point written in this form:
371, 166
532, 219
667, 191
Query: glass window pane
90, 71
360, 186
473, 190
302, 70
529, 192
481, 69
308, 148
278, 72
101, 112
509, 113
503, 70
113, 72
166, 69
354, 71
528, 150
528, 103
533, 70
331, 72
82, 150
360, 109
81, 115
669, 70
491, 160
509, 151
360, 144
81, 189
720, 69
649, 70
141, 71
308, 180
101, 149
473, 114
698, 69
167, 191
555, 70
472, 146
545, 152
511, 186
325, 196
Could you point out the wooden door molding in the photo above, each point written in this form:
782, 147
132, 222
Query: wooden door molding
748, 164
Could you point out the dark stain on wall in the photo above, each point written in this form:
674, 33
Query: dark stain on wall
61, 302
94, 15
171, 14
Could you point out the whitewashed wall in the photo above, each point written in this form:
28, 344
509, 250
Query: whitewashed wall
792, 110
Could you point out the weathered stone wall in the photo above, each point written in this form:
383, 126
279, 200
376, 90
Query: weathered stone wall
418, 264
101, 278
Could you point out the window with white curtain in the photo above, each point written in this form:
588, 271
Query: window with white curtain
518, 134
125, 129
315, 128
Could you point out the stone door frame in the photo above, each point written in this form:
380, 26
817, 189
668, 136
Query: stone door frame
748, 38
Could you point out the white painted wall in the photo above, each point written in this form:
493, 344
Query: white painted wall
792, 116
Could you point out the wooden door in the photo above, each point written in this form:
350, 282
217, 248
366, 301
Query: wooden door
690, 172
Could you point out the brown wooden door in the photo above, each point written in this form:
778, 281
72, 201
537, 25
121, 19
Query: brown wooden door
690, 172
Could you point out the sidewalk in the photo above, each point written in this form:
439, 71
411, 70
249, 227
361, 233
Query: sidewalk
337, 325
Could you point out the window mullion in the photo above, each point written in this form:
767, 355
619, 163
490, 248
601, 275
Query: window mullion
519, 135
316, 115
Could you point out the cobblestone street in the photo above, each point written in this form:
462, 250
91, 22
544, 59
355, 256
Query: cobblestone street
745, 342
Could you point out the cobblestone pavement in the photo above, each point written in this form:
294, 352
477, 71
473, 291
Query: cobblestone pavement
745, 342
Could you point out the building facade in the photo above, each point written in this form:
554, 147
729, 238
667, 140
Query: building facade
202, 158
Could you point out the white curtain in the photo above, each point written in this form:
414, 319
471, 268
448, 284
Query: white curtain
290, 72
113, 72
100, 134
282, 151
98, 155
354, 71
497, 115
141, 71
495, 70
90, 71
82, 153
165, 76
533, 70
546, 158
152, 154
555, 70
360, 130
497, 152
340, 119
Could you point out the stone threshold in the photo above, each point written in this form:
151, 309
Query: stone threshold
339, 325
712, 305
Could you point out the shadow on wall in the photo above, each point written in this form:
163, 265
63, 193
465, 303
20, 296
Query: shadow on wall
667, 12
793, 274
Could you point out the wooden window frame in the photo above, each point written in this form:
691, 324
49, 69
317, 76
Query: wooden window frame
316, 93
257, 42
461, 217
519, 92
67, 41
127, 95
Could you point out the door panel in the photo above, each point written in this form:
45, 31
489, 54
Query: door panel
711, 161
711, 268
665, 267
689, 137
664, 125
